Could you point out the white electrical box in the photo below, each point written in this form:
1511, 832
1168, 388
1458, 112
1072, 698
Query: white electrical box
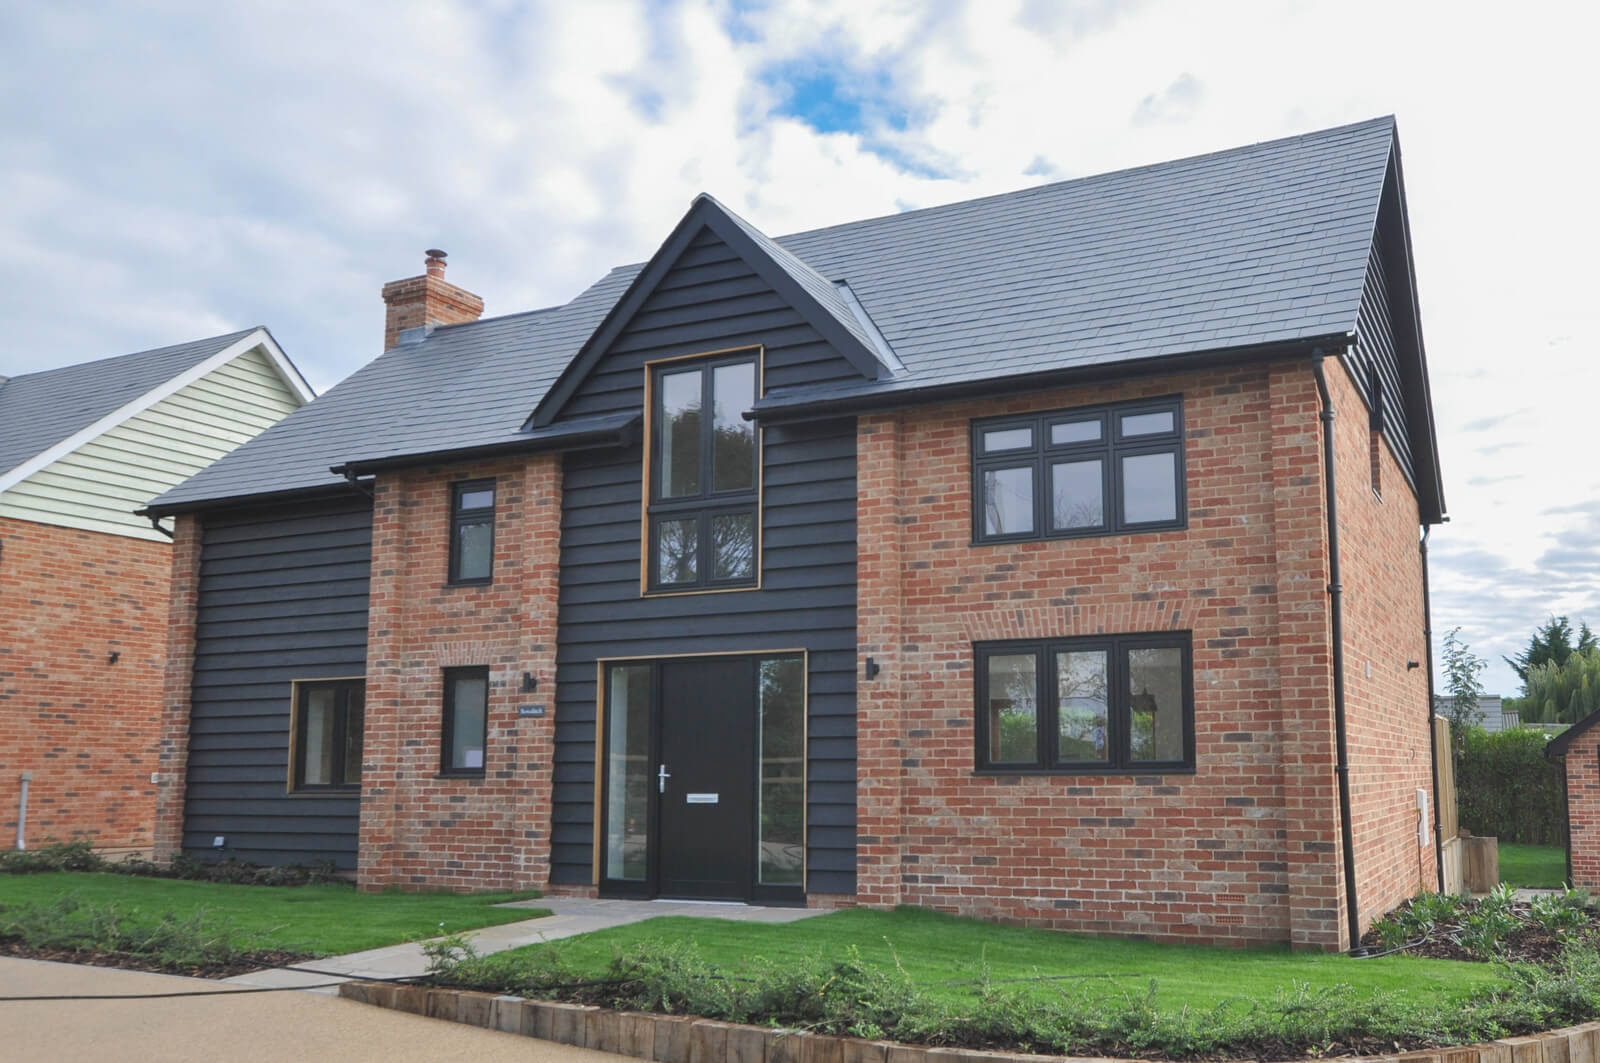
218, 842
1422, 816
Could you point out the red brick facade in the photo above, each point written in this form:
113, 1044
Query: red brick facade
177, 685
1582, 765
1248, 847
418, 828
85, 726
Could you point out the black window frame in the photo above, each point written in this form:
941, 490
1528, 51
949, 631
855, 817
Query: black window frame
1048, 761
447, 720
709, 504
460, 518
1110, 448
341, 734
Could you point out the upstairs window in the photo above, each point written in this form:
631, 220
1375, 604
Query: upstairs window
472, 532
328, 728
1090, 471
705, 460
1123, 704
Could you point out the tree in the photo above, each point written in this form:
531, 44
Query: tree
1563, 693
1461, 670
1550, 642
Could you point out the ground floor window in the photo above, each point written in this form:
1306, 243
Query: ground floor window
329, 715
466, 721
1121, 703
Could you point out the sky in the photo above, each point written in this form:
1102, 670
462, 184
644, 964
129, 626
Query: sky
170, 171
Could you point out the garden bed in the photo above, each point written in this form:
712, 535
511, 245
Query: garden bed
1492, 928
244, 963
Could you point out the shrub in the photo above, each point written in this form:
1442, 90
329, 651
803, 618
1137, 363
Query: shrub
78, 856
1506, 788
60, 856
200, 940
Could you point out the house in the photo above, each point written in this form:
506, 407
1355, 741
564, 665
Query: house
1577, 750
1492, 713
83, 580
1050, 557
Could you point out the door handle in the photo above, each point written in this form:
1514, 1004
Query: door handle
662, 775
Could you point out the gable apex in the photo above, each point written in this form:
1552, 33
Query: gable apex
813, 296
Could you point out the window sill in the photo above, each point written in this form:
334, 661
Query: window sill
670, 592
460, 775
1056, 537
1093, 769
325, 791
451, 584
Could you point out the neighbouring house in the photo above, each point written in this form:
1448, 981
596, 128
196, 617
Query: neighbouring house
1051, 557
84, 580
1492, 713
1577, 751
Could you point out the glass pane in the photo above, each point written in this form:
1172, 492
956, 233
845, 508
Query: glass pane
469, 709
1077, 495
1008, 439
733, 545
1147, 424
1149, 488
474, 550
1008, 501
355, 726
628, 771
1013, 708
680, 434
477, 498
318, 723
1074, 432
1081, 706
783, 761
1155, 704
733, 440
677, 543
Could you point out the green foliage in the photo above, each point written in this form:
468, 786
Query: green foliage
1562, 692
1551, 643
1461, 670
1506, 788
445, 954
79, 856
1423, 917
1560, 912
200, 939
1073, 1015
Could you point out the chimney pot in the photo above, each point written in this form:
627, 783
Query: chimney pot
434, 263
426, 301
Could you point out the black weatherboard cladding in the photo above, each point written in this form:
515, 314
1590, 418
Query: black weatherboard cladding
1375, 350
709, 301
283, 596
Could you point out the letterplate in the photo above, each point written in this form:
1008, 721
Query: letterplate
701, 799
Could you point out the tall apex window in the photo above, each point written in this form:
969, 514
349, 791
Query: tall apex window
1112, 705
705, 462
1090, 471
472, 531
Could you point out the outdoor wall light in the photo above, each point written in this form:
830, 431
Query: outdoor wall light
872, 668
529, 683
1412, 665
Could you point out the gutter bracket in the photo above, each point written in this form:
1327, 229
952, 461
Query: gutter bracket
155, 522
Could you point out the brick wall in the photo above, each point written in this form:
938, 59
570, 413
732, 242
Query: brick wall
85, 727
1582, 765
1245, 849
1386, 703
177, 686
420, 830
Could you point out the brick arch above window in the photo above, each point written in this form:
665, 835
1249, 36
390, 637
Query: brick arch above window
1053, 621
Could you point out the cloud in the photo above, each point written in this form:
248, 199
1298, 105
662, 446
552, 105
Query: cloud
1176, 103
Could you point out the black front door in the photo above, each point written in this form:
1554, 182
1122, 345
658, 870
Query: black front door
705, 783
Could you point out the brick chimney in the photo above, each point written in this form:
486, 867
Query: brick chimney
426, 300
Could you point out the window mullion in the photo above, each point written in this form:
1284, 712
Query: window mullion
1045, 669
1117, 703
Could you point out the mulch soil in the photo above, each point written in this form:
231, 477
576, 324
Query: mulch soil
244, 963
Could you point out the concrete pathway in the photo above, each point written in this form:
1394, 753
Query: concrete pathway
569, 917
237, 1027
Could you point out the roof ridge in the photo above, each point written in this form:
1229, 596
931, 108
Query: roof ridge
139, 354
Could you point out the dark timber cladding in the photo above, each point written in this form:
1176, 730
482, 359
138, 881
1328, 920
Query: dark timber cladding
711, 300
1377, 341
283, 596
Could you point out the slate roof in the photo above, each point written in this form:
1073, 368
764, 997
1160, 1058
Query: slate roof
39, 410
1261, 245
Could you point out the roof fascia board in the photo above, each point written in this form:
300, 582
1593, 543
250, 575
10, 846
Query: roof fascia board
592, 439
129, 410
703, 213
266, 498
286, 368
1423, 429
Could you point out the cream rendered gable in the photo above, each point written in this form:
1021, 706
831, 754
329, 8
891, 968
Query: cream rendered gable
98, 485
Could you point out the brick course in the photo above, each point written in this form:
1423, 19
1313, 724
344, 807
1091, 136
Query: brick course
419, 829
1582, 765
86, 728
177, 685
1245, 849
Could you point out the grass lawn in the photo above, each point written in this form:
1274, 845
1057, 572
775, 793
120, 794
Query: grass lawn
325, 920
1533, 866
936, 948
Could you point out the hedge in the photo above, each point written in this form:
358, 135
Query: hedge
1505, 788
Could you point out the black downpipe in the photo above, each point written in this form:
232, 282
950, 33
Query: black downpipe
1336, 623
1433, 730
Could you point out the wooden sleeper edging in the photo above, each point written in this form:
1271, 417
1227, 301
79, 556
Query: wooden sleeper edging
686, 1039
